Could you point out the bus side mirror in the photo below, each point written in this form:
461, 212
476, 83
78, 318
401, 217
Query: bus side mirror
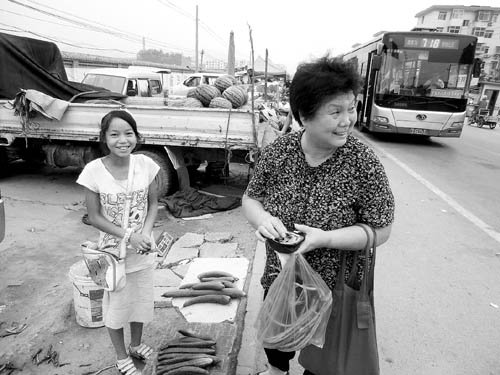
476, 68
376, 62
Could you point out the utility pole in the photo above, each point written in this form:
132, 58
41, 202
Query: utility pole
143, 43
201, 62
265, 77
196, 45
231, 55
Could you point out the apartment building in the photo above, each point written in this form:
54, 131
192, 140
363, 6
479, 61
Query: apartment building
480, 21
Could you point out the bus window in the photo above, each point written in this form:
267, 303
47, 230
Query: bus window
458, 76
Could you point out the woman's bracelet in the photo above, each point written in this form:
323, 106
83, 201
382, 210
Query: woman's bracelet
128, 233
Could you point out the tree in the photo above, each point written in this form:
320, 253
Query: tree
158, 56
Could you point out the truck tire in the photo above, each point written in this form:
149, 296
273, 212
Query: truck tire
166, 175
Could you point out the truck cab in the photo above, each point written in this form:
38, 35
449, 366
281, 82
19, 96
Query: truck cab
194, 80
127, 81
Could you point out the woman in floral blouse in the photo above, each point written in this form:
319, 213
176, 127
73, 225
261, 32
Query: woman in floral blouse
320, 180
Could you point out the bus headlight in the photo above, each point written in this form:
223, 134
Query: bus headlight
458, 124
381, 119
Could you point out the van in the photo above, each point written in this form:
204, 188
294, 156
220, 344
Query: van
194, 80
128, 82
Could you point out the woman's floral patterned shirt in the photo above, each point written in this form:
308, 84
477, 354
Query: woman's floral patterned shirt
348, 188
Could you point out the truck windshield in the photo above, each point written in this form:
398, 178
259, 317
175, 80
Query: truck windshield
111, 83
409, 79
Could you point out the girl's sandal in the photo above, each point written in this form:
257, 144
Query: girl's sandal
127, 367
142, 352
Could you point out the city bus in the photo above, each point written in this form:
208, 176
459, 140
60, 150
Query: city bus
415, 82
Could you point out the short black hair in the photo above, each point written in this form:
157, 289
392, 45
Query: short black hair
314, 82
106, 121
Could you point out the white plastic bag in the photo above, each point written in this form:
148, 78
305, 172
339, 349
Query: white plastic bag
296, 309
106, 269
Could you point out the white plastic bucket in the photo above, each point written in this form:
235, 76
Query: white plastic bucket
87, 297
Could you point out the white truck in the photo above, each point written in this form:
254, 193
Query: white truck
130, 82
193, 80
188, 135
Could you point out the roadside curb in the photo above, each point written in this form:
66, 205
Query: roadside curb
248, 356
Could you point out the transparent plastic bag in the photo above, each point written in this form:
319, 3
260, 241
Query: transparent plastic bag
296, 309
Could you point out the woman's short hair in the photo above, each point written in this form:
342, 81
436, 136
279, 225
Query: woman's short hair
106, 122
315, 82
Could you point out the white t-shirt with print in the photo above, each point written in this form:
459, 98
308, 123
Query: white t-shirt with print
112, 194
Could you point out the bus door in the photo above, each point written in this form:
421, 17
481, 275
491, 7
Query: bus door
368, 89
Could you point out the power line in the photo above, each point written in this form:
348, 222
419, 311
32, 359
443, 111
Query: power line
85, 25
100, 28
93, 26
67, 43
39, 19
192, 17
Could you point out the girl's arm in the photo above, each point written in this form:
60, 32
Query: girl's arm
138, 241
152, 209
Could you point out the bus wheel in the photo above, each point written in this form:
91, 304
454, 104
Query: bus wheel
166, 176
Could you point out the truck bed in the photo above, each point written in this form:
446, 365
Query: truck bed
158, 125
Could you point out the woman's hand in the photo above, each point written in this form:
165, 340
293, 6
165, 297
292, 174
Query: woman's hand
140, 242
270, 227
314, 238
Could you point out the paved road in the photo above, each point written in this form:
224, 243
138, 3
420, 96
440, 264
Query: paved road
437, 279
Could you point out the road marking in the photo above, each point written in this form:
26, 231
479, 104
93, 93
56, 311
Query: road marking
452, 202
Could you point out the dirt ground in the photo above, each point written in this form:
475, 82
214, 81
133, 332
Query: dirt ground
44, 207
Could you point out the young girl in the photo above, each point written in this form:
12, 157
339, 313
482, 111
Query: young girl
106, 182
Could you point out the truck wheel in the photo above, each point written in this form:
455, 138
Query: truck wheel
166, 175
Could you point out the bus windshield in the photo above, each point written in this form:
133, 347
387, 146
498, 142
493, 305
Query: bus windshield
410, 78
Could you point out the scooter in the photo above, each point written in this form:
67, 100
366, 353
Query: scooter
482, 118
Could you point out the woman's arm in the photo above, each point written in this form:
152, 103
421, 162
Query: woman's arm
152, 209
348, 238
266, 225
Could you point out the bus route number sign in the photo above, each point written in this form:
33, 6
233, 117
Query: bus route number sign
421, 42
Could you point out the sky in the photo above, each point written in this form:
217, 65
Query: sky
291, 31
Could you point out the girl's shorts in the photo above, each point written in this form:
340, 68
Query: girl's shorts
134, 303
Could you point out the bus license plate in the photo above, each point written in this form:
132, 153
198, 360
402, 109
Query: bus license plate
418, 131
